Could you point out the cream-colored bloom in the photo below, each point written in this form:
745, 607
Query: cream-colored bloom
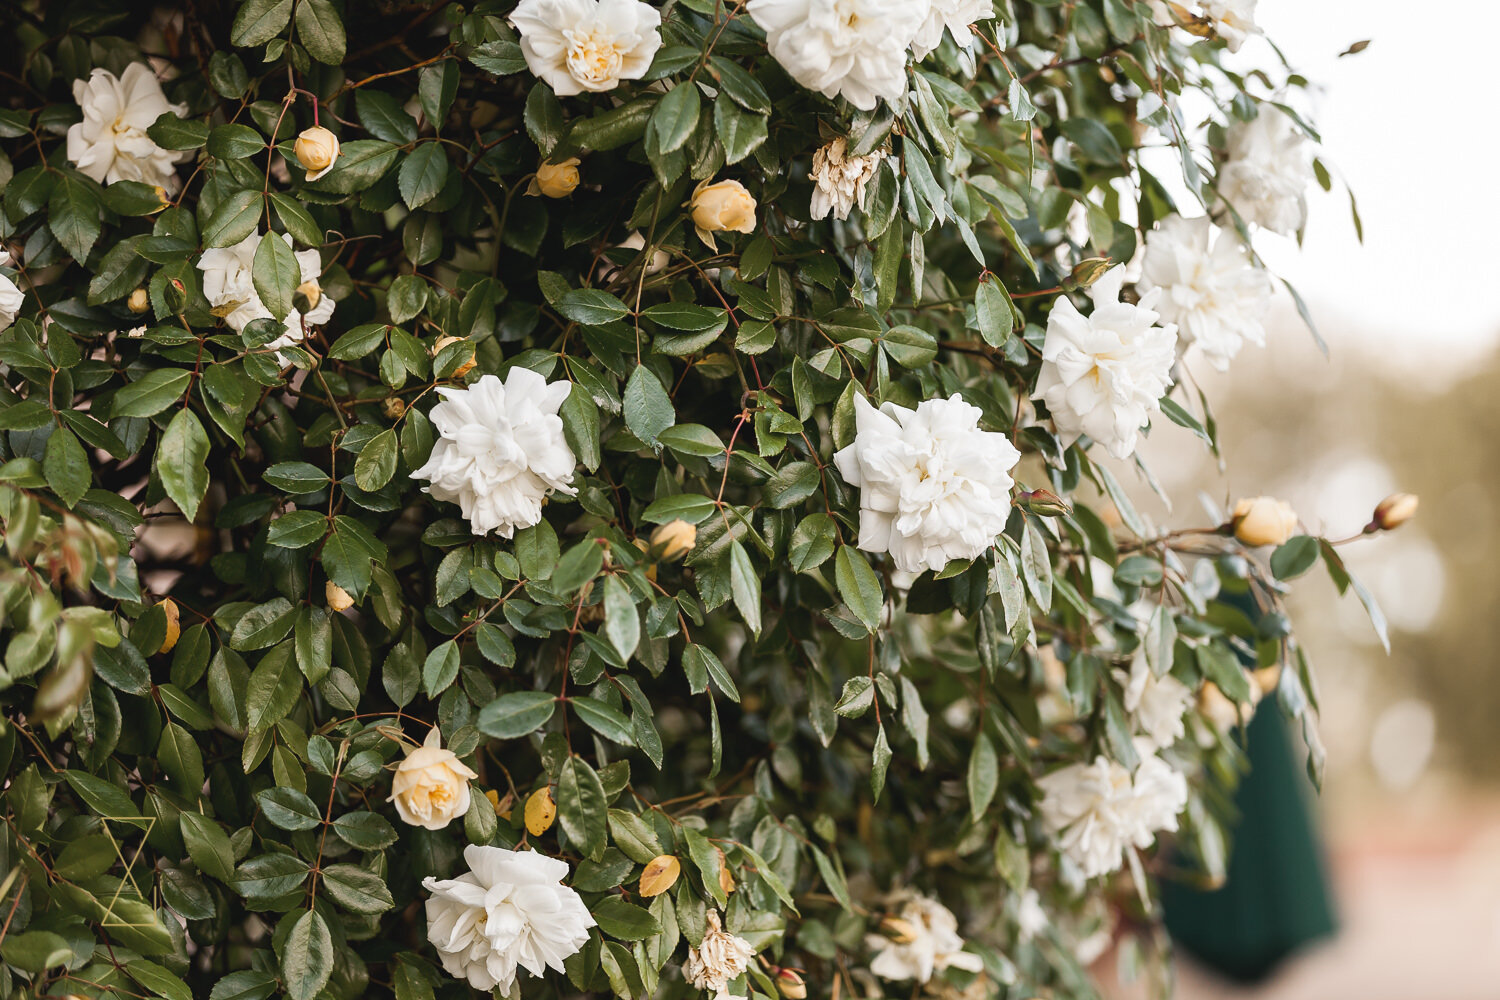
840, 180
500, 450
1234, 20
230, 288
1031, 918
954, 16
1211, 289
1264, 521
1156, 704
431, 786
510, 911
587, 45
725, 206
1395, 510
317, 150
12, 301
855, 49
111, 143
1267, 171
1104, 374
556, 180
928, 943
1098, 810
933, 487
721, 958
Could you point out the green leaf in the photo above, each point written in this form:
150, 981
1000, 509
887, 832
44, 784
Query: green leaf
307, 957
622, 623
274, 687
276, 274
996, 314
320, 31
376, 463
858, 586
674, 119
269, 876
104, 798
207, 845
813, 541
648, 408
360, 164
289, 808
171, 132
365, 830
578, 566
35, 951
153, 392
158, 980
689, 507
66, 466
357, 890
604, 719
1294, 558
517, 714
623, 920
581, 806
744, 585
259, 21
984, 775
179, 756
235, 218
73, 214
440, 670
422, 174
235, 142
591, 307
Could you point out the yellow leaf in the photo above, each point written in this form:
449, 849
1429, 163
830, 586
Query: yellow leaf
660, 874
540, 812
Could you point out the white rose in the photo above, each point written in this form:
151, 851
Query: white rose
840, 180
509, 911
1267, 171
954, 16
1156, 704
1234, 20
431, 786
230, 289
587, 45
12, 301
720, 958
928, 945
1097, 810
1211, 290
111, 143
933, 487
855, 49
500, 450
1105, 373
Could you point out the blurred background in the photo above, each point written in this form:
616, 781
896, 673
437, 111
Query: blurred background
1406, 400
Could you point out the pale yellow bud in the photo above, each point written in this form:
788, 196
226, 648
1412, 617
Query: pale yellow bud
1394, 511
317, 149
723, 207
337, 597
540, 812
312, 292
898, 930
1264, 521
674, 539
659, 875
462, 369
139, 301
394, 407
790, 984
174, 624
556, 180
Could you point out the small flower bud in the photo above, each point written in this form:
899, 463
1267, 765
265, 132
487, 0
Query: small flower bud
174, 624
659, 875
317, 149
139, 301
1086, 272
1263, 521
556, 180
790, 984
312, 292
723, 207
898, 930
540, 811
394, 407
1043, 502
175, 292
1394, 511
465, 367
337, 597
674, 539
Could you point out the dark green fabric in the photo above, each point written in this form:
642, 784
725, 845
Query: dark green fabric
1276, 897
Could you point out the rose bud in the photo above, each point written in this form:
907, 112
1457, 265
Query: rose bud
555, 180
337, 597
1043, 502
790, 984
1263, 521
310, 292
317, 149
674, 539
723, 207
1086, 272
139, 301
1394, 511
898, 930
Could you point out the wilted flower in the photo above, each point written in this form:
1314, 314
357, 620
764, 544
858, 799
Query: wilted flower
12, 301
933, 487
953, 16
723, 207
587, 45
431, 786
508, 912
719, 959
855, 49
1105, 373
1394, 511
1156, 704
1210, 288
840, 180
317, 150
556, 180
1097, 810
111, 143
928, 945
500, 450
230, 289
1263, 521
1266, 174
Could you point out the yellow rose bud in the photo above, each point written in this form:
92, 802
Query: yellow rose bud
317, 149
540, 812
337, 597
312, 292
556, 180
394, 407
790, 984
1394, 511
464, 368
722, 207
660, 874
1264, 521
674, 539
139, 301
1087, 271
174, 625
431, 786
898, 930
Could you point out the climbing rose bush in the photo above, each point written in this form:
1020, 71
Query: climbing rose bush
628, 498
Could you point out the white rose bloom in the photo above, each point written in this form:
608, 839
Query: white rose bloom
929, 945
955, 16
431, 785
1031, 918
500, 450
855, 49
720, 958
230, 289
1266, 174
933, 487
508, 911
1155, 703
12, 301
840, 180
111, 143
1098, 810
1104, 374
1210, 288
587, 45
1234, 20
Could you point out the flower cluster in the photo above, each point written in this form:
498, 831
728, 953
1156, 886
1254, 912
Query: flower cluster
1099, 810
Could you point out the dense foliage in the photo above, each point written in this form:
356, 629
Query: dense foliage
521, 423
